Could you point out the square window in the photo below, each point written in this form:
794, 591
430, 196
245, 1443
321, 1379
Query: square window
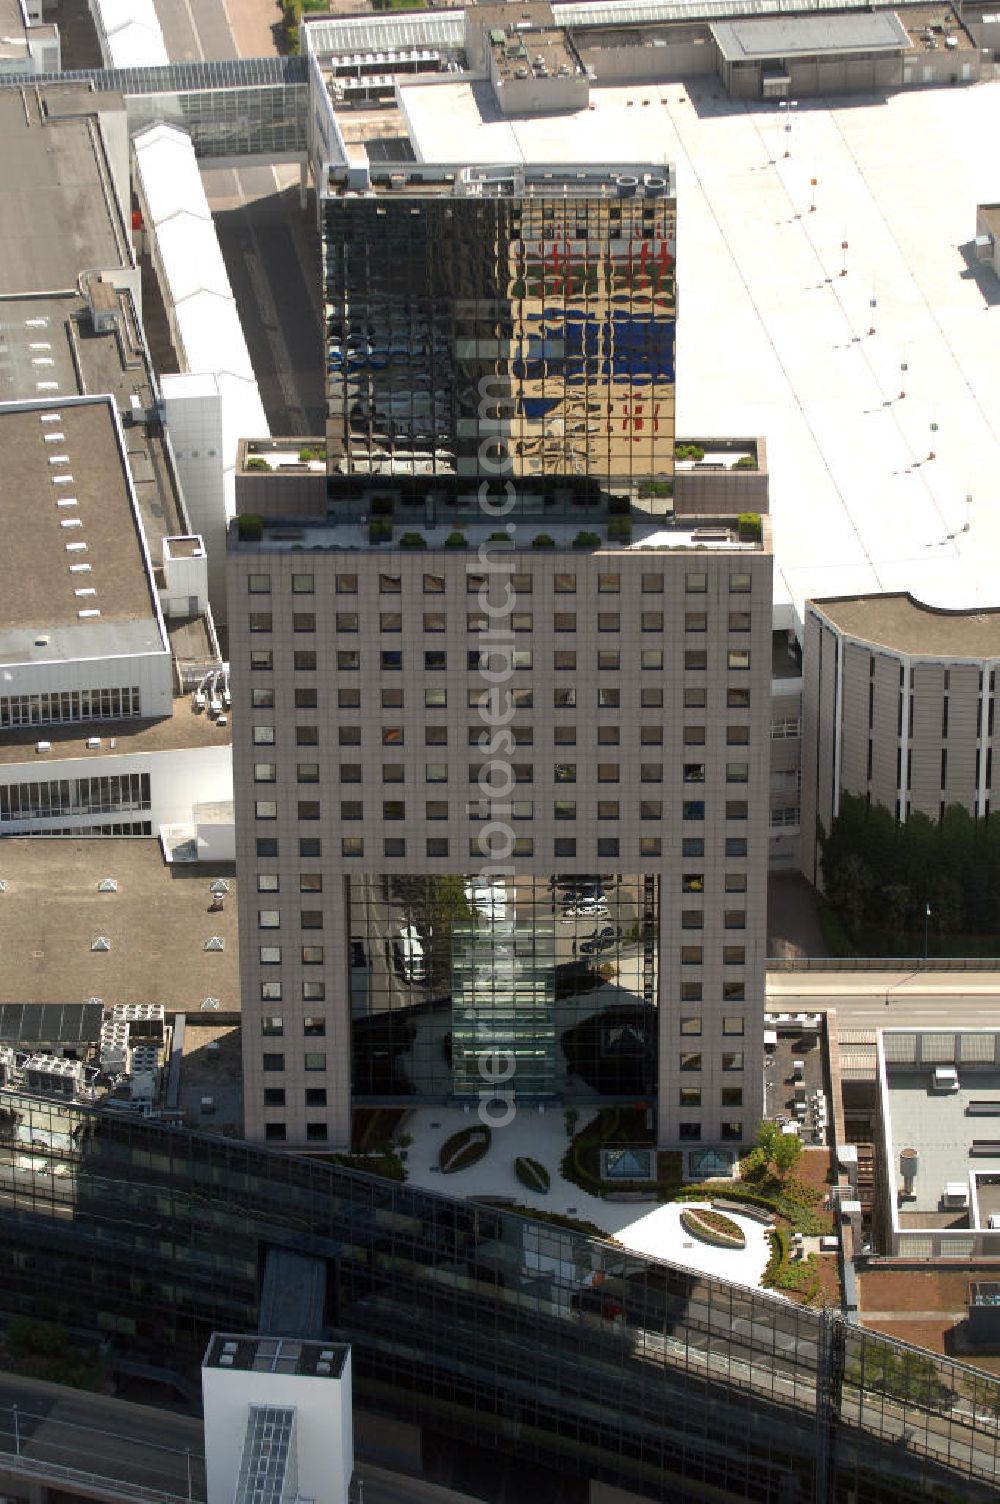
303, 584
437, 846
310, 846
564, 846
736, 846
350, 772
691, 1061
265, 809
732, 1023
347, 584
564, 621
316, 1133
564, 772
695, 584
435, 699
390, 584
739, 621
348, 699
436, 809
691, 955
734, 955
311, 919
691, 1024
652, 584
391, 660
435, 658
738, 699
609, 699
692, 846
263, 736
304, 661
524, 846
259, 584
564, 736
391, 699
352, 846
274, 1096
262, 699
738, 659
736, 809
651, 658
303, 621
564, 809
393, 772
651, 736
308, 809
393, 809
390, 621
609, 621
693, 809
521, 621
392, 736
695, 621
737, 772
564, 699
267, 846
312, 955
435, 736
650, 846
608, 809
739, 584
609, 584
260, 621
690, 1096
313, 992
562, 661
434, 584
267, 882
691, 992
272, 1025
310, 882
307, 699
435, 621
690, 1132
694, 659
315, 1096
608, 736
651, 697
607, 846
694, 772
609, 659
731, 1132
274, 1062
262, 659
651, 809
264, 772
651, 621
733, 1061
651, 772
274, 1133
307, 736
315, 1060
346, 621
268, 919
737, 736
564, 584
608, 772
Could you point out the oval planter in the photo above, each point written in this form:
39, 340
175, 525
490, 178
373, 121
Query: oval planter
713, 1228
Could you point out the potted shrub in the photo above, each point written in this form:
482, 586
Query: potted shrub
543, 540
749, 527
379, 530
249, 527
585, 539
745, 462
455, 539
413, 540
620, 529
256, 463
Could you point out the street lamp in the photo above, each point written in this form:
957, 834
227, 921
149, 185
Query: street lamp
927, 920
788, 105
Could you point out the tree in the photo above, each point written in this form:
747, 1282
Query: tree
786, 1153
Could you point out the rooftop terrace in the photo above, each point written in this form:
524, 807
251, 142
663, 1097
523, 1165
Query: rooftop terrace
909, 626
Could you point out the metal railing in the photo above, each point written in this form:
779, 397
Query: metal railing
883, 963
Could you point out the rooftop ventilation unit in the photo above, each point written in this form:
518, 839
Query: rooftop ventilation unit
100, 942
215, 943
219, 887
43, 746
209, 1004
3, 885
108, 885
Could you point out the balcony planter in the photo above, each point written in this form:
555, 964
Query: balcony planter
749, 527
249, 527
620, 529
543, 540
455, 540
587, 540
380, 530
413, 540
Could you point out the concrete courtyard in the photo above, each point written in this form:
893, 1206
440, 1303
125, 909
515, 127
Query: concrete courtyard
642, 1226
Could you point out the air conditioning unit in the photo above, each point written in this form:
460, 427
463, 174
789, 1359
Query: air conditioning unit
945, 1078
956, 1194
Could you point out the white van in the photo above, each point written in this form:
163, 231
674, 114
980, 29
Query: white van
410, 954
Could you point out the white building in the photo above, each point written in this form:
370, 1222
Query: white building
28, 44
278, 1420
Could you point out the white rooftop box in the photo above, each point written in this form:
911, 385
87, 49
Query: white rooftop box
956, 1194
945, 1078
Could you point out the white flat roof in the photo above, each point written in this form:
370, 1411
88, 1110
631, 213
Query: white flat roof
206, 318
773, 341
132, 31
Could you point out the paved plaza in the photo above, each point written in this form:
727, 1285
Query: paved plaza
644, 1227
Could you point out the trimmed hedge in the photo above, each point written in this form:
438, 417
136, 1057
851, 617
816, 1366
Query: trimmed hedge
714, 1228
543, 540
249, 527
455, 540
532, 1175
464, 1148
413, 540
585, 539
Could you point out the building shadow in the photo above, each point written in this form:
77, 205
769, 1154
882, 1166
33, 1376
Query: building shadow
980, 272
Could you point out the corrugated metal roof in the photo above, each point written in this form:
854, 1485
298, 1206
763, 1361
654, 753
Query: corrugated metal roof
601, 13
745, 41
382, 33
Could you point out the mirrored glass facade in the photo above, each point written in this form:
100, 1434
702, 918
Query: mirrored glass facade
484, 1326
498, 328
556, 975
